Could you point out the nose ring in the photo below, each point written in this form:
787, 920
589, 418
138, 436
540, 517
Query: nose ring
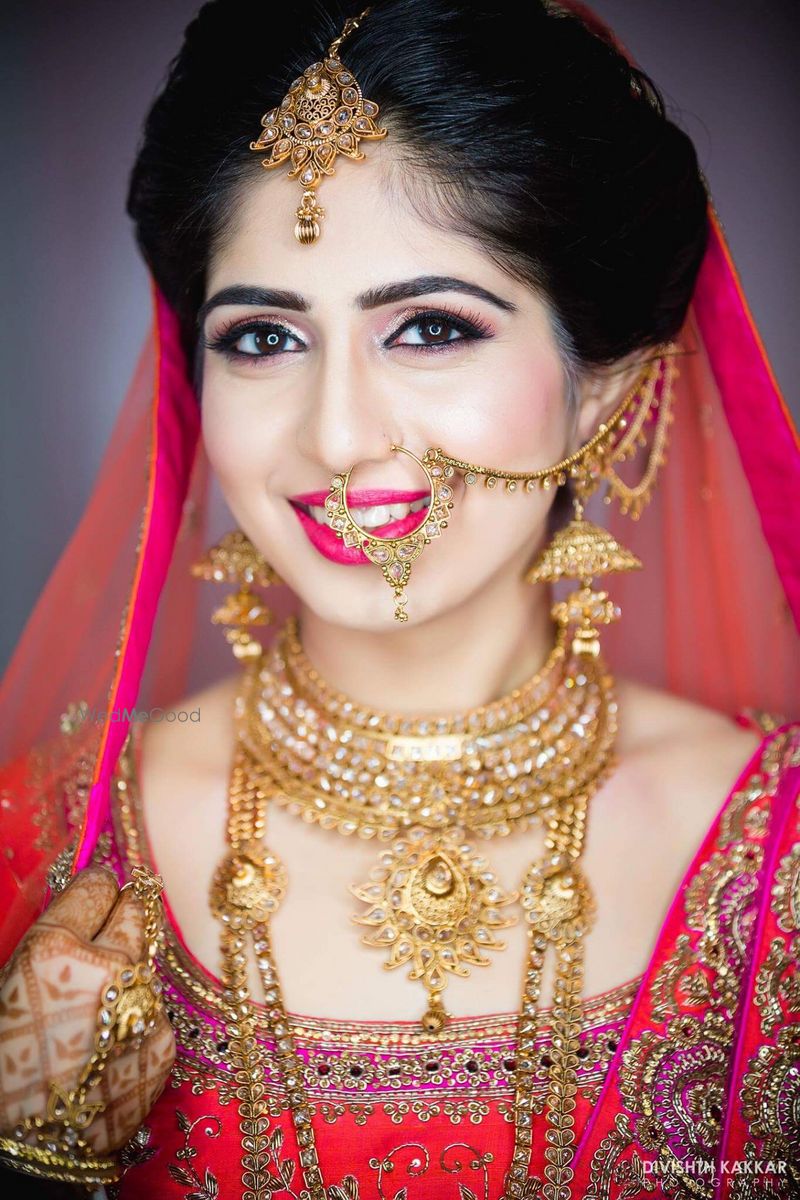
394, 556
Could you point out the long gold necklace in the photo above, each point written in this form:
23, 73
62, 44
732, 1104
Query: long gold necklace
314, 751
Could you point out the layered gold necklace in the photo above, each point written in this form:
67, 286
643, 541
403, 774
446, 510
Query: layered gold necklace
422, 787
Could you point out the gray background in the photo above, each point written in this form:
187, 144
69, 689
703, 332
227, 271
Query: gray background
77, 77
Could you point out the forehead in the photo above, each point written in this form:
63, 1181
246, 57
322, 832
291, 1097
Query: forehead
371, 233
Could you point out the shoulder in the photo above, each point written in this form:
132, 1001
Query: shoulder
651, 718
684, 757
201, 743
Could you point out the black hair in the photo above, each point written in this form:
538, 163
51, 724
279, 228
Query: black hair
524, 128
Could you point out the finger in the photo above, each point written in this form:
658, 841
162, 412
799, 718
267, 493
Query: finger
125, 927
84, 904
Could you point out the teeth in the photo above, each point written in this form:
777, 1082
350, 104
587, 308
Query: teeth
375, 514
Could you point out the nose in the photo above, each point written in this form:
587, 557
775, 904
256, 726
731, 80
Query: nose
347, 418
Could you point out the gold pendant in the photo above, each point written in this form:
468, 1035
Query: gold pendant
248, 885
558, 901
435, 904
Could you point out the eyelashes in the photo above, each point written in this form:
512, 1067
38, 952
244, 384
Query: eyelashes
269, 336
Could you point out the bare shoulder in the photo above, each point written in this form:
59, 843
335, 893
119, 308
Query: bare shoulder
651, 717
203, 744
679, 748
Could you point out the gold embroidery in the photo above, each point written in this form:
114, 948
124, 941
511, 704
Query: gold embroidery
743, 818
206, 1188
751, 1182
770, 1091
786, 891
717, 905
457, 1159
606, 1165
678, 979
777, 979
674, 1081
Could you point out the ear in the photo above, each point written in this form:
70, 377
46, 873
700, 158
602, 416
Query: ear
600, 393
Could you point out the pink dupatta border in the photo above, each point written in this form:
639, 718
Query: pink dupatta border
174, 432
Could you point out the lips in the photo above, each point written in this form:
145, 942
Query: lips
363, 498
332, 547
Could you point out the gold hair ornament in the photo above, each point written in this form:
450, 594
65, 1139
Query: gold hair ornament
323, 114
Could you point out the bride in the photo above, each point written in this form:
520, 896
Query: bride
554, 956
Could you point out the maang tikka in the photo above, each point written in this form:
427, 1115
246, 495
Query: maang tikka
323, 114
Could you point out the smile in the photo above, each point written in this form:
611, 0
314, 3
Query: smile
373, 516
388, 517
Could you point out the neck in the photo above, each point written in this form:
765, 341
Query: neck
463, 658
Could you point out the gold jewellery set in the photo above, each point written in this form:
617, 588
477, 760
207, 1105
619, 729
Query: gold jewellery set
422, 787
425, 787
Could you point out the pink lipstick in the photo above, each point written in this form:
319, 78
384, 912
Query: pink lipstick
323, 538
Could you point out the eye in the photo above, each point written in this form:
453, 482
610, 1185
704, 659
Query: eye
435, 330
255, 339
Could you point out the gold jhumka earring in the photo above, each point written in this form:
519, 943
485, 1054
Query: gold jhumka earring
323, 114
235, 560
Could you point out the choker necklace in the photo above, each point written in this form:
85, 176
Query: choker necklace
420, 786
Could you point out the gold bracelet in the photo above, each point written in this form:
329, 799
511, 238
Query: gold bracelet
58, 1164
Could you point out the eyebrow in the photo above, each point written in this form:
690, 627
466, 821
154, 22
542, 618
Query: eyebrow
375, 297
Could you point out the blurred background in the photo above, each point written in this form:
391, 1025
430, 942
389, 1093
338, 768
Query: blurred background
77, 77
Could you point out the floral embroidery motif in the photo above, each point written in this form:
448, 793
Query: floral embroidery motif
206, 1188
675, 1085
777, 980
786, 891
718, 906
679, 983
455, 1159
606, 1166
770, 1091
138, 1149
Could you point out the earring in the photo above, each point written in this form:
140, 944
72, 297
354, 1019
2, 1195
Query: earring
394, 556
583, 549
235, 560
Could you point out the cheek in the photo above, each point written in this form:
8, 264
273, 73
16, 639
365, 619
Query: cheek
235, 435
519, 424
514, 421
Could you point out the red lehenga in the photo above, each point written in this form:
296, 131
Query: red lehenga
689, 1084
688, 1079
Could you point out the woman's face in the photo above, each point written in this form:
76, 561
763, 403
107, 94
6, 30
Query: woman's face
383, 331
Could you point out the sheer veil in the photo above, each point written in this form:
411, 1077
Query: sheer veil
122, 626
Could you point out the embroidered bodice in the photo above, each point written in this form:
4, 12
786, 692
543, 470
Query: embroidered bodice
687, 1067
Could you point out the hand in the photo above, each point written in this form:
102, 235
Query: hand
49, 1005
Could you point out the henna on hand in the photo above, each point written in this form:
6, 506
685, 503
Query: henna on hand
49, 1005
